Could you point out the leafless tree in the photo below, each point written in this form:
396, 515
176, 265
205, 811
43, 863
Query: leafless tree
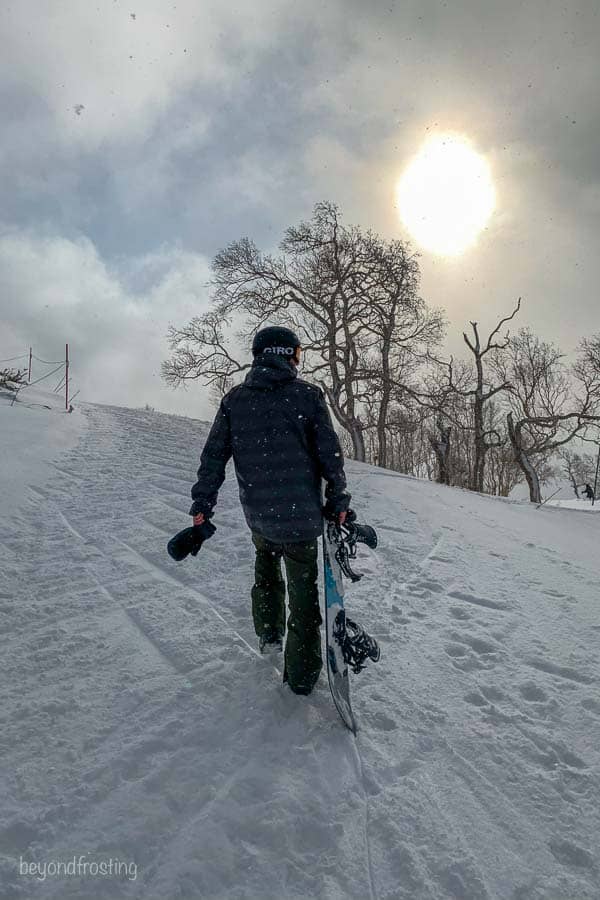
401, 329
550, 403
482, 393
458, 394
590, 353
200, 351
352, 298
502, 473
578, 467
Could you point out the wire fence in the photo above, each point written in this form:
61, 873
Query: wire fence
12, 358
65, 381
49, 362
43, 378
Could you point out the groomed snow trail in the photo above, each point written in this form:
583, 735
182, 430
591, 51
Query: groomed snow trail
140, 724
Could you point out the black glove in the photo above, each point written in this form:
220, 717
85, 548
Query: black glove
331, 512
189, 540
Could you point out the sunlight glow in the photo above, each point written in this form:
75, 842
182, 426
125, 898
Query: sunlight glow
446, 195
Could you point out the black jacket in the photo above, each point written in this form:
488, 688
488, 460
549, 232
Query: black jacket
279, 432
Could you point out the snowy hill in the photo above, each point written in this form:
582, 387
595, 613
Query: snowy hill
34, 427
142, 732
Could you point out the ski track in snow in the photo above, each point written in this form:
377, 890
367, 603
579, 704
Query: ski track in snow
141, 723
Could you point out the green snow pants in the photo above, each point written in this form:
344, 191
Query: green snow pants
303, 645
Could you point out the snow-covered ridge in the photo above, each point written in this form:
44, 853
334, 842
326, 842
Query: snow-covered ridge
140, 725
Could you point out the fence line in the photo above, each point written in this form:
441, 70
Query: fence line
49, 362
65, 381
11, 358
45, 376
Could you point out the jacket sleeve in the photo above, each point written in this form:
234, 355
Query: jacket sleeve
214, 458
330, 457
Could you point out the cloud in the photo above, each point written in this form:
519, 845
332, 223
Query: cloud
231, 121
123, 72
54, 290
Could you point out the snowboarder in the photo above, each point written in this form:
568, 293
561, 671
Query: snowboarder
279, 432
589, 491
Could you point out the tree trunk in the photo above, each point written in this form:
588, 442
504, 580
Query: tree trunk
352, 426
382, 454
358, 442
386, 392
480, 444
522, 460
441, 448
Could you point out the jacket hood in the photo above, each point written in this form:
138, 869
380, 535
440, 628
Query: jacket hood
268, 372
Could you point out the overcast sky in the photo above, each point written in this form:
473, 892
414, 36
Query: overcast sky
138, 139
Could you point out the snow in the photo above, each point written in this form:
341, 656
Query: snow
583, 505
557, 492
140, 726
33, 430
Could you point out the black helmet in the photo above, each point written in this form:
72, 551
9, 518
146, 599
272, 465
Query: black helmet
276, 340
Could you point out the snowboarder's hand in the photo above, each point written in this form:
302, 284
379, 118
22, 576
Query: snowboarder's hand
342, 517
199, 519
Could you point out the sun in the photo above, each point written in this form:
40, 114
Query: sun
446, 195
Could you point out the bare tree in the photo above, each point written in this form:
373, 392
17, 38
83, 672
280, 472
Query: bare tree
350, 296
590, 353
484, 439
550, 404
400, 328
200, 351
502, 473
578, 467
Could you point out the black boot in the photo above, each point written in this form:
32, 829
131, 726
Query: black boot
270, 640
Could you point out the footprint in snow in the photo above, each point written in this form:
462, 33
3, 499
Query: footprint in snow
591, 705
457, 612
532, 692
565, 672
493, 694
382, 722
478, 601
429, 586
456, 651
475, 699
569, 854
476, 644
398, 617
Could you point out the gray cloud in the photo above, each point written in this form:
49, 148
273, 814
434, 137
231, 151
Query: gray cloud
202, 124
56, 290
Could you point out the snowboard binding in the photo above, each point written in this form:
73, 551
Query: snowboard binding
357, 646
346, 537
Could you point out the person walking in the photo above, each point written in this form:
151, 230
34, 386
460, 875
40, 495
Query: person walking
589, 491
279, 432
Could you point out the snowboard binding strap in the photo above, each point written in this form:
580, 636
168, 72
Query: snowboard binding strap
346, 537
358, 647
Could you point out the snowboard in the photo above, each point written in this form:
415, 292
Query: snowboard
335, 628
347, 644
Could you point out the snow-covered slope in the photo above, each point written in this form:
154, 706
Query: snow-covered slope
34, 428
140, 727
557, 493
